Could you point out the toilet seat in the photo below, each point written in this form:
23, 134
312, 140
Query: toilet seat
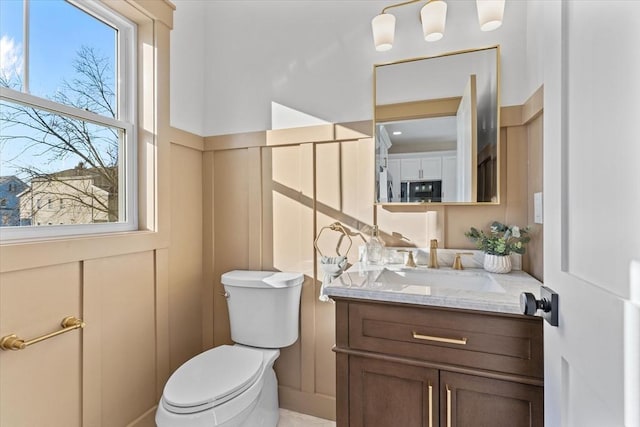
212, 378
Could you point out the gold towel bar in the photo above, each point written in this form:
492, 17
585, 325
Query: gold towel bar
13, 342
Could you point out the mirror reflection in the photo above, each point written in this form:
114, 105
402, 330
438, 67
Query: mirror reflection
436, 129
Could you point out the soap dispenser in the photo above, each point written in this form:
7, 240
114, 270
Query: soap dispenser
374, 248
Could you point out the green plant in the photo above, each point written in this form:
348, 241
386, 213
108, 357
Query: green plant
501, 239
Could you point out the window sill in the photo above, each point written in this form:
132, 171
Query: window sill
33, 254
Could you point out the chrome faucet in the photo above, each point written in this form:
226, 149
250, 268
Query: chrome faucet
433, 254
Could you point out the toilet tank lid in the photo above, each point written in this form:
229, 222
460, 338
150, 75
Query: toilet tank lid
262, 279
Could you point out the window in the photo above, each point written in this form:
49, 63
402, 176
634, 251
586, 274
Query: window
67, 117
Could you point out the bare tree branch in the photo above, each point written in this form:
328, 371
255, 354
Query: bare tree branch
54, 138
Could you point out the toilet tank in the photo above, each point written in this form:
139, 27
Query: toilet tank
264, 307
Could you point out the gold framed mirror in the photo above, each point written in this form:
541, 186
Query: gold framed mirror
436, 129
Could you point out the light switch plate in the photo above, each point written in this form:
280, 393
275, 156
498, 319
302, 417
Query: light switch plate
537, 208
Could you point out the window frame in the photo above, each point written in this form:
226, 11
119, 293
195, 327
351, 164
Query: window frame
126, 122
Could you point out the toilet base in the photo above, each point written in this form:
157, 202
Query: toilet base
266, 412
263, 412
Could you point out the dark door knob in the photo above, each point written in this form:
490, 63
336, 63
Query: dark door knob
529, 305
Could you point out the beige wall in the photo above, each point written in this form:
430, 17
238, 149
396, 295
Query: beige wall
268, 195
139, 293
185, 251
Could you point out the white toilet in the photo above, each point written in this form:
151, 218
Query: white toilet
236, 385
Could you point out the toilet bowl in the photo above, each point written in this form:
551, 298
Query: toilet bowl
236, 385
225, 386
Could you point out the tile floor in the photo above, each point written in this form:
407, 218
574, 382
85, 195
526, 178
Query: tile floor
295, 419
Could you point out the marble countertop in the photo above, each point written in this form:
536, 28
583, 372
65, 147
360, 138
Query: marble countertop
362, 281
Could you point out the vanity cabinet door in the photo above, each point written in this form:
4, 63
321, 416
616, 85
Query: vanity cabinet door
383, 394
469, 400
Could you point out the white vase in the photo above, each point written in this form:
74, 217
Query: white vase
497, 263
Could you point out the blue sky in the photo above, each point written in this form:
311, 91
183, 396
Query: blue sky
57, 31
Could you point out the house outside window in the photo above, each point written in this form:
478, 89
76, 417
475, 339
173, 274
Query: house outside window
10, 187
67, 118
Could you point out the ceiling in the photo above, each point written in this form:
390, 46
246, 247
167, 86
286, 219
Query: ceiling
435, 130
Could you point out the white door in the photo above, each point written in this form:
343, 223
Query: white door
592, 211
467, 142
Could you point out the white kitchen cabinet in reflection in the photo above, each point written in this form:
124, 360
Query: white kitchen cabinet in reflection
425, 168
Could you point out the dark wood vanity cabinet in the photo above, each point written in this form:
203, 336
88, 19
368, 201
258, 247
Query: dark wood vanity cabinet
383, 394
472, 400
406, 365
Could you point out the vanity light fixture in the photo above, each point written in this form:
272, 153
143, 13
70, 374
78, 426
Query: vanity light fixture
433, 16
